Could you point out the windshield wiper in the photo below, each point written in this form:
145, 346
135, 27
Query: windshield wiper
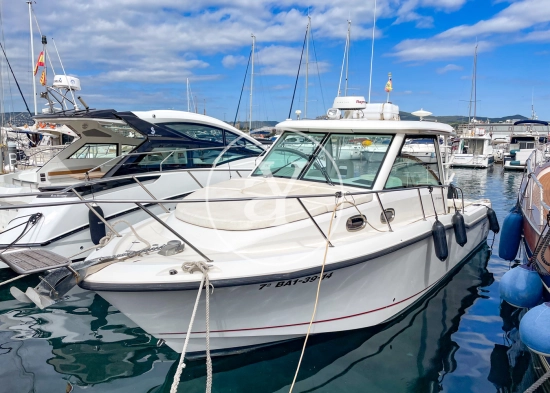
287, 164
324, 171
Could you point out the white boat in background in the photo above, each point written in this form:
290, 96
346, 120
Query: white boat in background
523, 144
264, 240
501, 146
119, 155
473, 150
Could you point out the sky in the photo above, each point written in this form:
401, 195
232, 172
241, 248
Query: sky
138, 54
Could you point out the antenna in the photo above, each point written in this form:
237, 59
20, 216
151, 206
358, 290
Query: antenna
533, 113
372, 49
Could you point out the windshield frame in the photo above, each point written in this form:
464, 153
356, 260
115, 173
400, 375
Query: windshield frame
314, 156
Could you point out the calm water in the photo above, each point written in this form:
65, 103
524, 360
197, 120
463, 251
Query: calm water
458, 339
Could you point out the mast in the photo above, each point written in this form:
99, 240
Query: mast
251, 82
473, 91
307, 63
475, 83
188, 107
372, 49
32, 59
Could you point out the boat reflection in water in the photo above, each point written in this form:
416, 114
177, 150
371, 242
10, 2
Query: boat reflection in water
410, 354
89, 344
93, 345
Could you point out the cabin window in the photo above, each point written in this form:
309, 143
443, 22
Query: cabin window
125, 149
415, 166
122, 129
197, 131
96, 150
350, 159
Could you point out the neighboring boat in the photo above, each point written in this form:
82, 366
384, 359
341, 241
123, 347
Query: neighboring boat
522, 145
473, 150
264, 239
424, 150
501, 147
120, 155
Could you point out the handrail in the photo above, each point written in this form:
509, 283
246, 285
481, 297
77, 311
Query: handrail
160, 152
530, 171
162, 162
177, 201
140, 204
68, 189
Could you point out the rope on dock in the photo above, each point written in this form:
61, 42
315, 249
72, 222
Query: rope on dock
190, 267
539, 382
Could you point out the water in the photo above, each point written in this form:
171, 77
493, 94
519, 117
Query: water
458, 339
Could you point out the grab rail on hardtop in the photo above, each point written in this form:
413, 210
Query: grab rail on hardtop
531, 177
160, 152
338, 194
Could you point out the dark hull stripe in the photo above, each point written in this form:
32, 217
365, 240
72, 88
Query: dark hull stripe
427, 290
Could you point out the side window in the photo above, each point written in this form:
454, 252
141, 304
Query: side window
416, 164
96, 150
197, 131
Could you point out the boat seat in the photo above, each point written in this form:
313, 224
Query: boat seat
259, 214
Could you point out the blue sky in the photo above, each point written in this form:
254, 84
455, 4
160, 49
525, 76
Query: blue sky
137, 54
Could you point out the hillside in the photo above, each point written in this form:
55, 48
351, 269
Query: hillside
461, 119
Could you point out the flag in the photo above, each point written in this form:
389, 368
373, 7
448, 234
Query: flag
39, 63
43, 78
389, 86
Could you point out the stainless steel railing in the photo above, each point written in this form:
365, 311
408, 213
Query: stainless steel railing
533, 183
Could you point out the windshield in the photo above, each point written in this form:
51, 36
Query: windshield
351, 159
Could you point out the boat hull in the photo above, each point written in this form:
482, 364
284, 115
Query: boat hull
471, 161
361, 295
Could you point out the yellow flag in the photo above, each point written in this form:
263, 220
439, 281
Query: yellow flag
43, 78
389, 86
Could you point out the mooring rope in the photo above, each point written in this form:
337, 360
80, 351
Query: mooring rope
190, 267
110, 236
327, 243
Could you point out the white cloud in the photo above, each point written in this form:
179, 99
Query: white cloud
231, 61
459, 41
449, 67
284, 60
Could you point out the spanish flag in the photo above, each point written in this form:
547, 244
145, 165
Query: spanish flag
39, 63
43, 78
389, 86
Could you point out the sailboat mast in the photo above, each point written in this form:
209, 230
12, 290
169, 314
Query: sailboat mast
475, 83
251, 82
188, 103
372, 49
347, 57
32, 59
307, 64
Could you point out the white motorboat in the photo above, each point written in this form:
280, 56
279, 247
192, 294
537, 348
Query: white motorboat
474, 149
265, 238
157, 154
424, 150
523, 144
